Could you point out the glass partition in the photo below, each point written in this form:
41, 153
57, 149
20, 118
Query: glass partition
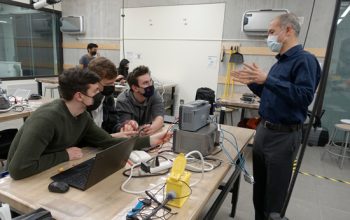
337, 96
29, 42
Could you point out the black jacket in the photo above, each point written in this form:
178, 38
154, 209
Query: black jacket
109, 114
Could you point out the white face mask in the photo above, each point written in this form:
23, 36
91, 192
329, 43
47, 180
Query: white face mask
273, 44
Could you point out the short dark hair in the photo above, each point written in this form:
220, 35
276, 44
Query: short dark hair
91, 45
123, 63
105, 68
75, 80
138, 71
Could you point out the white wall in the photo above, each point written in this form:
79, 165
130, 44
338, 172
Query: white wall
180, 44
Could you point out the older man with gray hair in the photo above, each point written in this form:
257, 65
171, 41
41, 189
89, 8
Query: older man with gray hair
286, 92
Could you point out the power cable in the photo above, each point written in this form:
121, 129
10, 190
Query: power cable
308, 26
123, 22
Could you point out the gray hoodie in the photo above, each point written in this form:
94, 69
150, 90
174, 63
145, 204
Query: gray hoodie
128, 108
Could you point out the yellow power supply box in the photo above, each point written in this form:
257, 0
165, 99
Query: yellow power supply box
179, 182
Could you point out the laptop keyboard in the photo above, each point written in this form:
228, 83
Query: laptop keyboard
76, 176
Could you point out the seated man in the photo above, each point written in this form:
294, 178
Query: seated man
50, 135
103, 111
140, 103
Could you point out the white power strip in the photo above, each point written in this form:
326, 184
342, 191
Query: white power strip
164, 165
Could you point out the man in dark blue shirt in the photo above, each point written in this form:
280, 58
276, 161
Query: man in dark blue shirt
285, 92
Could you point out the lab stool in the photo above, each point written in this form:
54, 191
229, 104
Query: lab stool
334, 148
52, 90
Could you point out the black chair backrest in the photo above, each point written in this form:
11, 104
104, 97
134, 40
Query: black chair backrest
207, 94
6, 138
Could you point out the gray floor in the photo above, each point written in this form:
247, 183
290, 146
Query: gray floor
312, 198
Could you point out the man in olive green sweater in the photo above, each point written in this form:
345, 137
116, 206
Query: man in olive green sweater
52, 133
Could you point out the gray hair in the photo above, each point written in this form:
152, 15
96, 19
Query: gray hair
290, 19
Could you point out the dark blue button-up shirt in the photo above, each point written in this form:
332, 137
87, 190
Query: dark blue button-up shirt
289, 88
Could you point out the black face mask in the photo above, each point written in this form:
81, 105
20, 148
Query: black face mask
97, 102
149, 91
108, 90
93, 53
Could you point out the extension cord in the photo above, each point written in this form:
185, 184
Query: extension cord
164, 165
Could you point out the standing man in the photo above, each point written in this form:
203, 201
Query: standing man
103, 110
141, 102
285, 92
92, 52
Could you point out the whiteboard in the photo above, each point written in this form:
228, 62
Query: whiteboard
180, 44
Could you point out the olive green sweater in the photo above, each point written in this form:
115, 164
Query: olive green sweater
42, 141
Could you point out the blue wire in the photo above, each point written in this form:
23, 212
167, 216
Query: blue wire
241, 164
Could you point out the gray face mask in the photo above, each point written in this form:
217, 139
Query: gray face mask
273, 44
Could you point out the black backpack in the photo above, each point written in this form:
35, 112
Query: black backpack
207, 94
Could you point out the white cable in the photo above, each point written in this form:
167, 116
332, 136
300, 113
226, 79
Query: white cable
202, 159
155, 186
129, 178
211, 166
14, 107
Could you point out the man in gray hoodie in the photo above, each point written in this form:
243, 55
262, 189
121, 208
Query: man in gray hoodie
140, 103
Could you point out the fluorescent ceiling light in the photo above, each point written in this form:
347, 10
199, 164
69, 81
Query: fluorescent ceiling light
3, 22
339, 20
346, 12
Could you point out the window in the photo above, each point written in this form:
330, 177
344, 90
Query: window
337, 96
29, 42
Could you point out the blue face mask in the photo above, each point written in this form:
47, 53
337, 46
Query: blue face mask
273, 44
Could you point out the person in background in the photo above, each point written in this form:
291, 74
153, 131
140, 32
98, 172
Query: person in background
140, 102
103, 111
286, 92
92, 53
123, 71
52, 133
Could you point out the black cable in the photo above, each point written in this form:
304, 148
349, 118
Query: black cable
217, 152
126, 174
169, 196
155, 199
166, 210
123, 22
189, 187
206, 171
308, 26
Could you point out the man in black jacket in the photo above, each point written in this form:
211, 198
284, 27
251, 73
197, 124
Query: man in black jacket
103, 111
